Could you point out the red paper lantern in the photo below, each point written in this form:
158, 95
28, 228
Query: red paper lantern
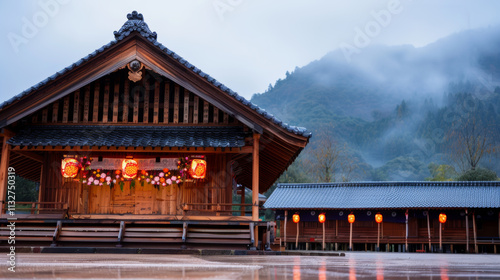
351, 218
296, 218
321, 218
378, 218
129, 168
70, 167
198, 169
442, 218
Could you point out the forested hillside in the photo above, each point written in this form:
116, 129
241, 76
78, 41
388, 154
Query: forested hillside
391, 111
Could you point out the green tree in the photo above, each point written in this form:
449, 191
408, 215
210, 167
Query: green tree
441, 172
479, 174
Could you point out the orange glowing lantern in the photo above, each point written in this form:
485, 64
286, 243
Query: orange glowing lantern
442, 218
70, 167
296, 218
129, 168
198, 169
378, 218
351, 218
321, 218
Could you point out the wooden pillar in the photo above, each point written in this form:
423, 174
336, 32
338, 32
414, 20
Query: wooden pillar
378, 237
4, 165
498, 224
350, 237
284, 229
323, 235
429, 230
406, 235
474, 230
466, 231
440, 239
297, 239
255, 178
242, 207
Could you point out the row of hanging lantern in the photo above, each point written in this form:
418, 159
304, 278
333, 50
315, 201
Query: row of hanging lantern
130, 168
351, 218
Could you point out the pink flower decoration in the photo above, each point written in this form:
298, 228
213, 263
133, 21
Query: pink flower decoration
169, 181
162, 174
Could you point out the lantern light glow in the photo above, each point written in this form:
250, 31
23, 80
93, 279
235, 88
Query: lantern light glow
378, 218
321, 218
198, 169
129, 168
296, 218
442, 218
351, 218
70, 167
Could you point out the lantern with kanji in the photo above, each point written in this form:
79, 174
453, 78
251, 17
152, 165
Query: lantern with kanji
442, 218
296, 218
351, 218
70, 167
378, 218
321, 218
198, 169
129, 168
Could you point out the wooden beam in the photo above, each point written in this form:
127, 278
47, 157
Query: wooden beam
126, 92
55, 111
76, 107
191, 150
105, 106
4, 170
156, 104
255, 178
185, 119
65, 109
205, 111
176, 104
135, 119
45, 113
30, 155
216, 115
195, 109
474, 230
467, 238
429, 230
145, 118
95, 116
166, 102
116, 100
86, 104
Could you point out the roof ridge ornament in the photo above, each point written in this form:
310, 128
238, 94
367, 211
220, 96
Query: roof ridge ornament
135, 22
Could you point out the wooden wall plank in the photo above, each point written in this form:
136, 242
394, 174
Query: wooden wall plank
156, 105
176, 104
195, 109
166, 102
45, 113
116, 96
136, 106
55, 111
126, 91
105, 106
65, 109
86, 105
186, 106
216, 115
205, 111
97, 87
225, 118
76, 107
146, 102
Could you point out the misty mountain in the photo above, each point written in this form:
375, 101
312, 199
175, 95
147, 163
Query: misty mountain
390, 103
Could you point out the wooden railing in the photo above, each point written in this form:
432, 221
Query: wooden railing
219, 208
38, 208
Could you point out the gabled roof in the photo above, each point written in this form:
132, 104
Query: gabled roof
131, 136
135, 23
384, 195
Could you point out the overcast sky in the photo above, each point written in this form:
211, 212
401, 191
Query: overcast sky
245, 44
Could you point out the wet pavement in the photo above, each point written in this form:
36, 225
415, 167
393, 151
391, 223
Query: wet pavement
355, 265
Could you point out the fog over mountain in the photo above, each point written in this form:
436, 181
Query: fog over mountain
392, 102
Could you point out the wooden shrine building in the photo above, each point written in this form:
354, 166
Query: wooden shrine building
398, 216
133, 144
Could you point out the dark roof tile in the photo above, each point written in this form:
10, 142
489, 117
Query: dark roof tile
130, 136
366, 195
